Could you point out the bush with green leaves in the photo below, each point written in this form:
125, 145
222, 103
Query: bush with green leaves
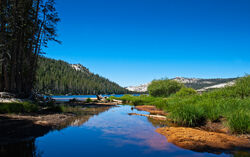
55, 108
183, 92
164, 88
88, 100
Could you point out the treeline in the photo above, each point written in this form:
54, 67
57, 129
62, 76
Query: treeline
59, 78
25, 27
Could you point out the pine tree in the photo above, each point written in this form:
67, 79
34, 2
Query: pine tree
26, 26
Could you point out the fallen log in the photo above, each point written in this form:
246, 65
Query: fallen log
158, 117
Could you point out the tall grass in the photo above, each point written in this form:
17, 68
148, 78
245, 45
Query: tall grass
18, 107
188, 114
239, 122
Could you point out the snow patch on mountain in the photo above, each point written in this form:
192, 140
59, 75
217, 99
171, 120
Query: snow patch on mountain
221, 85
79, 67
140, 88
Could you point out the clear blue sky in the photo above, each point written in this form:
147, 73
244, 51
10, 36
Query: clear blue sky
134, 41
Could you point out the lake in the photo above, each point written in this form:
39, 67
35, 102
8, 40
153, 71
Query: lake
110, 132
83, 97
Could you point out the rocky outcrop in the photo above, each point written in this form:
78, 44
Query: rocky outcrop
6, 95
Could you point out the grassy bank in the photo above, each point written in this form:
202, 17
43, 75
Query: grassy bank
18, 107
188, 108
32, 107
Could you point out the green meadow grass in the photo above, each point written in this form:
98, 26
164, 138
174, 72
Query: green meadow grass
18, 107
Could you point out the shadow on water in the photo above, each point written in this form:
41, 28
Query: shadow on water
21, 149
13, 130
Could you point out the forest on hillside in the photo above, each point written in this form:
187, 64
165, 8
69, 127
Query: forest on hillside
59, 78
26, 26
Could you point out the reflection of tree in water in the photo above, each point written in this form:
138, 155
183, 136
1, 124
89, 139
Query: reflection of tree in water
83, 116
28, 148
22, 149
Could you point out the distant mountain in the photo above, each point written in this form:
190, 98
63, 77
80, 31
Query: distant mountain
59, 77
140, 88
221, 85
196, 83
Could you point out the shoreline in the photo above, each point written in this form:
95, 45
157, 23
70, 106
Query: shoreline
201, 139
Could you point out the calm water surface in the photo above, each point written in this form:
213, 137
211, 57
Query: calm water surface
110, 133
81, 97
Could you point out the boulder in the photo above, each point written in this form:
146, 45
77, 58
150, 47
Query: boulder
6, 95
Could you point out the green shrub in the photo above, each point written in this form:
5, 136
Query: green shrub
74, 100
14, 108
18, 107
126, 98
55, 108
138, 102
160, 104
239, 122
111, 98
183, 92
88, 100
30, 107
164, 88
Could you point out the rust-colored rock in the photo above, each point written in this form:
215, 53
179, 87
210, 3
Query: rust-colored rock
151, 109
200, 140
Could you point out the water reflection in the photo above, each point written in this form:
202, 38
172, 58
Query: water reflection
121, 129
28, 148
102, 132
85, 115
